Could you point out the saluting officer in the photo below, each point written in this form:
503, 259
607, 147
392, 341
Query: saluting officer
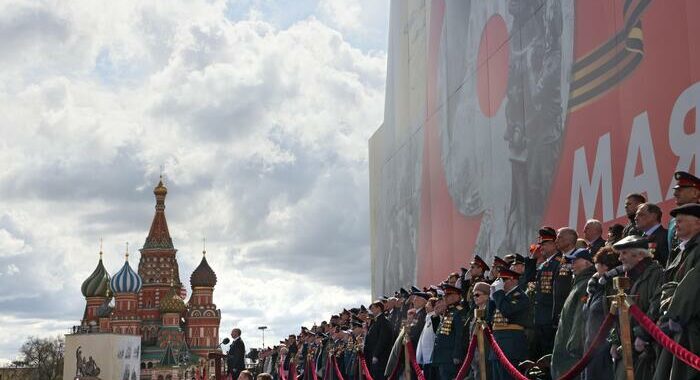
544, 274
477, 273
449, 342
508, 315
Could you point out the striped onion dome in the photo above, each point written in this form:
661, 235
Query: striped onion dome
172, 303
126, 280
97, 285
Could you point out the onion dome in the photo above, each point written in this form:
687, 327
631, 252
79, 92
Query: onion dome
203, 275
126, 280
97, 285
160, 190
172, 303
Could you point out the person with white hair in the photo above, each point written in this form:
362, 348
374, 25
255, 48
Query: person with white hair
680, 303
647, 277
593, 234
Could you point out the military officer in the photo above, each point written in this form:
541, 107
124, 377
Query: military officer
544, 274
508, 314
477, 273
498, 264
687, 190
450, 344
680, 302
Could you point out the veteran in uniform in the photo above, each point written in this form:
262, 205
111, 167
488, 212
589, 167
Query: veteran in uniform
450, 342
570, 335
508, 315
477, 273
680, 299
544, 322
687, 190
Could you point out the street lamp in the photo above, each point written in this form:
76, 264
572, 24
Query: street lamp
263, 328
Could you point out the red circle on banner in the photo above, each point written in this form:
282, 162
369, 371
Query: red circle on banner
492, 61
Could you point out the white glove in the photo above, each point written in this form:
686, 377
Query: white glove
497, 285
614, 352
640, 344
375, 360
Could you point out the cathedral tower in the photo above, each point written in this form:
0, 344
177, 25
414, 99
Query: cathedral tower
125, 285
158, 267
203, 318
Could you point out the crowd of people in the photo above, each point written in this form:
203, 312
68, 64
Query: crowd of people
543, 308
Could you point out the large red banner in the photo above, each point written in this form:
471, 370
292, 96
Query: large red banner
536, 112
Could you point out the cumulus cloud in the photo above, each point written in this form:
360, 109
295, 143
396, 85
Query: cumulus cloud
261, 127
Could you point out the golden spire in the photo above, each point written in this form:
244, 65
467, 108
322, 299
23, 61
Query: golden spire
204, 246
127, 251
100, 248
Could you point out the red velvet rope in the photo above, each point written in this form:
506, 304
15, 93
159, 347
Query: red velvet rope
337, 369
412, 358
502, 357
329, 367
468, 359
597, 340
282, 373
312, 368
669, 344
363, 364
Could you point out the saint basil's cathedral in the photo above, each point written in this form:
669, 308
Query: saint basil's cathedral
150, 302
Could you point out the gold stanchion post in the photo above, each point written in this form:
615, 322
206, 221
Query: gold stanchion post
480, 315
620, 303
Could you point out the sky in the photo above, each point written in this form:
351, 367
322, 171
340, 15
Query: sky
256, 112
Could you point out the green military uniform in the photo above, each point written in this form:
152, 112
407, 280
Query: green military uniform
450, 342
568, 341
508, 314
682, 306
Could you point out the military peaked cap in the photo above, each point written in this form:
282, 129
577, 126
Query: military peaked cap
632, 241
685, 179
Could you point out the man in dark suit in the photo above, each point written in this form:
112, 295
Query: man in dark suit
593, 233
419, 299
632, 202
648, 220
236, 354
378, 341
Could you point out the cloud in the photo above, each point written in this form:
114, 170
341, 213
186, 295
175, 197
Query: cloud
261, 122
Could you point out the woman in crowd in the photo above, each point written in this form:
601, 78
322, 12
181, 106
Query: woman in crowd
595, 310
480, 295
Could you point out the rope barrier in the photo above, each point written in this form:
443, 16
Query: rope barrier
312, 369
363, 364
338, 374
328, 369
281, 371
664, 340
597, 340
468, 359
502, 357
412, 358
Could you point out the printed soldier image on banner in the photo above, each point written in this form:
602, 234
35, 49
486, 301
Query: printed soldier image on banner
502, 116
